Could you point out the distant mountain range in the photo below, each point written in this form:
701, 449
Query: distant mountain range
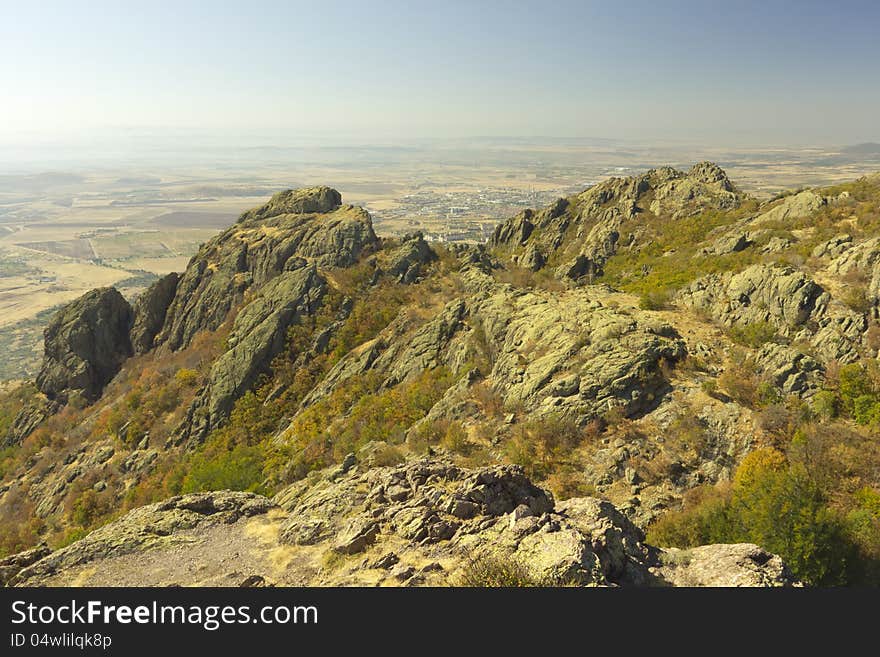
867, 148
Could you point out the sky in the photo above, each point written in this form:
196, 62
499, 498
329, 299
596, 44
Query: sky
732, 73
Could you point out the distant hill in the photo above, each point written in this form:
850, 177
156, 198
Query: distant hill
867, 148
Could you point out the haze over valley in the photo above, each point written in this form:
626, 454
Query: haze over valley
69, 225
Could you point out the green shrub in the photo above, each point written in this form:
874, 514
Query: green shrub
866, 409
781, 508
754, 335
826, 404
540, 445
455, 439
240, 468
768, 394
702, 520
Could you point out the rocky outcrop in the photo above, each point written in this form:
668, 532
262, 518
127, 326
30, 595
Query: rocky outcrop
565, 355
258, 335
26, 421
577, 235
266, 242
150, 309
739, 565
85, 344
861, 260
424, 522
408, 260
795, 206
13, 564
785, 298
308, 200
570, 355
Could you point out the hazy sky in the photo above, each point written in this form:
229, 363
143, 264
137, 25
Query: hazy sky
727, 72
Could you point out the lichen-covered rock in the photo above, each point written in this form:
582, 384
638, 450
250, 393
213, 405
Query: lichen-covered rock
13, 564
265, 243
738, 565
296, 201
784, 297
731, 243
85, 345
423, 522
147, 528
26, 421
795, 206
577, 235
408, 260
150, 309
833, 247
258, 335
565, 355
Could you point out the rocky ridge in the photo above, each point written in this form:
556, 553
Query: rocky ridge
578, 235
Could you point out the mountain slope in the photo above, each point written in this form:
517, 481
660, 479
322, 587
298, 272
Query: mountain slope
637, 342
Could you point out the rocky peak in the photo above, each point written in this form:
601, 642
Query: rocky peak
296, 201
266, 242
710, 174
85, 344
408, 260
577, 235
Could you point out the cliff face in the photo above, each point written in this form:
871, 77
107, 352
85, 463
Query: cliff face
631, 343
150, 310
85, 345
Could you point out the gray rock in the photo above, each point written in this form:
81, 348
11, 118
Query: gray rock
146, 528
296, 201
796, 206
580, 233
85, 345
833, 247
407, 261
281, 236
740, 565
731, 243
386, 561
150, 309
357, 537
786, 298
13, 564
258, 335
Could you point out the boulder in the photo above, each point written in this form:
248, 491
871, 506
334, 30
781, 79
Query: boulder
795, 206
407, 261
737, 565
